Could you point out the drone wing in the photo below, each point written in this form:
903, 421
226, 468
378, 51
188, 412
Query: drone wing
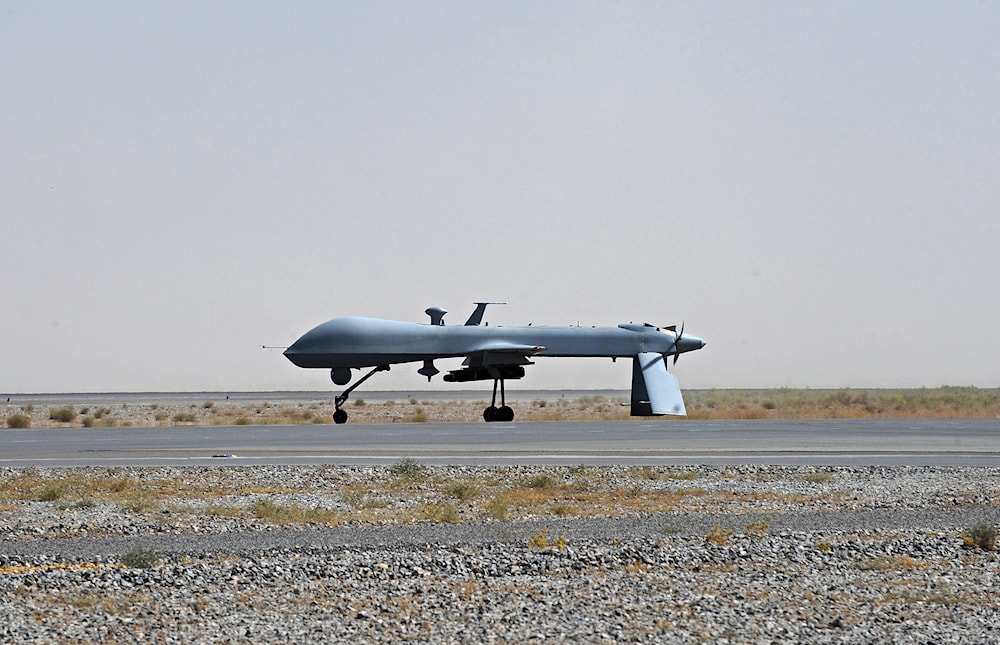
501, 353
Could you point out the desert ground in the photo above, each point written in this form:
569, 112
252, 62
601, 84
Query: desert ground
379, 407
472, 554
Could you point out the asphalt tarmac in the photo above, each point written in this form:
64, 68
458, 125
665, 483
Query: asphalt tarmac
826, 442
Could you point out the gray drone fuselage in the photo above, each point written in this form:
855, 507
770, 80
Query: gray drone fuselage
496, 352
368, 342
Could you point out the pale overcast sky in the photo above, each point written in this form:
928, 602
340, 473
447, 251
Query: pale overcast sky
813, 187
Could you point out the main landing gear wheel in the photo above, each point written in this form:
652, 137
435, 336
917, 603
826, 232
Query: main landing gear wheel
504, 413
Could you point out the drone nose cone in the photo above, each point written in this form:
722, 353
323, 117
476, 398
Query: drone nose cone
689, 343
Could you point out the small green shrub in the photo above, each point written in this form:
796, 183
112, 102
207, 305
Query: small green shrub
52, 491
497, 508
184, 417
981, 535
409, 469
464, 490
360, 500
681, 475
648, 472
441, 512
561, 508
819, 477
140, 557
541, 480
62, 415
18, 421
264, 509
87, 422
139, 503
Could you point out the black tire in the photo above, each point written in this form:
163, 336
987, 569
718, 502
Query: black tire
505, 414
340, 417
490, 414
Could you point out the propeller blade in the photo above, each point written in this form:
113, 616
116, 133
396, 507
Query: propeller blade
677, 339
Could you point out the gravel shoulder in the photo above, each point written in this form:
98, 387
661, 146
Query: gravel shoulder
383, 554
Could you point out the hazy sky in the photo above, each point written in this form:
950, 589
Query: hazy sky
813, 187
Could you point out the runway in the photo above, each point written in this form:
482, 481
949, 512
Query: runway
826, 442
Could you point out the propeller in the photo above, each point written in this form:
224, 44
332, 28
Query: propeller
677, 339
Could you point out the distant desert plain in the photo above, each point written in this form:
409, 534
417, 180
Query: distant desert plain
290, 408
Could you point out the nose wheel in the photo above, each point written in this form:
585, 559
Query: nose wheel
339, 413
504, 413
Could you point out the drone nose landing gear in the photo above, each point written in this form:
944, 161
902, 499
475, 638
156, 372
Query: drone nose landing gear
339, 414
504, 413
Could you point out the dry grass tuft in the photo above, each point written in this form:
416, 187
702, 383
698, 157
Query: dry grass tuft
497, 508
756, 530
718, 536
18, 421
896, 562
439, 512
266, 509
818, 477
541, 540
464, 490
981, 535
